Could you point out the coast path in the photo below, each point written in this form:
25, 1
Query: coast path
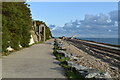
36, 61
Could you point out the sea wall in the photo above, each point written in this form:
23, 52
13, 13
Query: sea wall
87, 60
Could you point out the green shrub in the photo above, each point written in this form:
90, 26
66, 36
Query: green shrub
16, 25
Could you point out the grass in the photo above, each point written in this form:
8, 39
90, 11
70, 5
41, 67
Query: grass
39, 42
71, 74
74, 75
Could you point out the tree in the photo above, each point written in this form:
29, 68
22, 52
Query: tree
16, 24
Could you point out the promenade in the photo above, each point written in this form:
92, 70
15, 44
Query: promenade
36, 61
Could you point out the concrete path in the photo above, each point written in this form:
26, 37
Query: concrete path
36, 61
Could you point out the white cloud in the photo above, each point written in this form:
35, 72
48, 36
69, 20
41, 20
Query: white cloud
92, 26
109, 30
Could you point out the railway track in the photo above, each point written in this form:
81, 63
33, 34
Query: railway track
106, 54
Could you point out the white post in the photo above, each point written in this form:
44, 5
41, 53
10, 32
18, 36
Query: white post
44, 33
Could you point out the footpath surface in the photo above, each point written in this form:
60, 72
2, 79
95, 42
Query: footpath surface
36, 61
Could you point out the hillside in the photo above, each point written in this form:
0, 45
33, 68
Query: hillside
16, 25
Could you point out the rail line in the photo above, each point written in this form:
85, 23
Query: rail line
102, 52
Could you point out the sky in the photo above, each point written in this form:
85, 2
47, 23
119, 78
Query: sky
85, 19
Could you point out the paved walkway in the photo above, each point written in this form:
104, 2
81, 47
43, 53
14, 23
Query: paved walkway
36, 61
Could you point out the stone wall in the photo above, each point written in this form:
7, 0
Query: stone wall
90, 61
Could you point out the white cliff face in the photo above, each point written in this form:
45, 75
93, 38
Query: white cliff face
31, 40
9, 49
20, 46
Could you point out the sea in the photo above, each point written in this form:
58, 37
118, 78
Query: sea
114, 41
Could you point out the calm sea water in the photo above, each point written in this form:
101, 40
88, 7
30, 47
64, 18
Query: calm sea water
114, 41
